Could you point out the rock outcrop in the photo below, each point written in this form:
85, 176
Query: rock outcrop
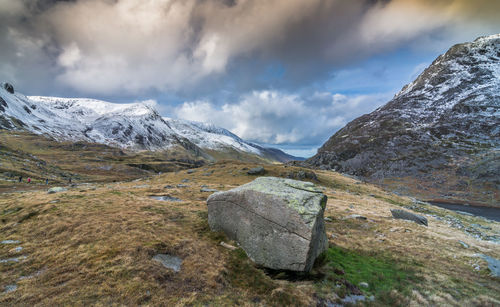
406, 215
278, 222
440, 133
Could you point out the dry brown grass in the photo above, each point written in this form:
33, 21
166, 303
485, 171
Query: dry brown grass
94, 246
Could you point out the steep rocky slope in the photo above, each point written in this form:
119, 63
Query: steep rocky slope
440, 135
133, 126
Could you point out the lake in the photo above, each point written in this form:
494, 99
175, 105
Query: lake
487, 212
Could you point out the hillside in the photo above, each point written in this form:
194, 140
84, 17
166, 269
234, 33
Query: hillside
94, 244
132, 127
438, 138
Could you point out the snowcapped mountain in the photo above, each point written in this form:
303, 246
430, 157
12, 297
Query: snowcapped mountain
133, 126
442, 130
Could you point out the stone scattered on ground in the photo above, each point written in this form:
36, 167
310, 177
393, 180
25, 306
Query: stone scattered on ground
406, 215
56, 190
464, 245
168, 261
278, 222
208, 190
363, 284
14, 259
165, 198
17, 249
207, 173
190, 171
168, 186
185, 180
228, 246
301, 175
9, 288
493, 264
182, 185
355, 216
256, 171
10, 242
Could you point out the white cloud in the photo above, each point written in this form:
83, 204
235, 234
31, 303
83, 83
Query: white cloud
273, 117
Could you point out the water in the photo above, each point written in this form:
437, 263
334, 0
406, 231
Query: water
487, 212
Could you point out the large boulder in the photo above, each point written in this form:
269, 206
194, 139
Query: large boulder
406, 215
278, 222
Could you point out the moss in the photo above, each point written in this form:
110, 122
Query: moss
382, 273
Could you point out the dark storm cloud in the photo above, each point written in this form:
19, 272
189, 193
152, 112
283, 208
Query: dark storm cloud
192, 46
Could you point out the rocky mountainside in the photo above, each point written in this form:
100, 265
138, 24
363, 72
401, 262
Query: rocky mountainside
441, 132
134, 126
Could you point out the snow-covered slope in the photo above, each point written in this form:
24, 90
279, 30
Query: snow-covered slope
443, 128
133, 126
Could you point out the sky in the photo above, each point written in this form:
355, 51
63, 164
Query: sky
285, 73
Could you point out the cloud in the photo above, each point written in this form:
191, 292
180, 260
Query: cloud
274, 117
193, 47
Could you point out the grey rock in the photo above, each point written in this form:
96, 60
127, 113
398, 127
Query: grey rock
278, 222
9, 288
355, 216
185, 180
493, 265
10, 242
168, 186
363, 284
256, 171
208, 190
207, 173
465, 245
56, 190
165, 198
301, 175
182, 186
168, 261
190, 171
406, 215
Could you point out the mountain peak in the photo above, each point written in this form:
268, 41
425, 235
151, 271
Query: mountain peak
443, 127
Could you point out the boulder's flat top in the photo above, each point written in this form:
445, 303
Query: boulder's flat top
304, 197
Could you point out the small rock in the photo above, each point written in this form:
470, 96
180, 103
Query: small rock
10, 242
185, 180
208, 173
406, 215
182, 186
327, 219
208, 190
17, 249
363, 284
355, 216
493, 265
168, 186
140, 186
465, 245
56, 190
190, 171
228, 246
333, 236
168, 261
10, 288
256, 171
165, 198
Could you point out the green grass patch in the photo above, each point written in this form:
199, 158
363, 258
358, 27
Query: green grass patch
382, 273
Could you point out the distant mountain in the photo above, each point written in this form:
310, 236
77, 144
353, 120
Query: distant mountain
133, 126
440, 135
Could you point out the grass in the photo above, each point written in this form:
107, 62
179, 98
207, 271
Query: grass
94, 244
382, 274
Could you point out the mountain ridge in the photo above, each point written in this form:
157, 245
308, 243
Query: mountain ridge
132, 126
443, 130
